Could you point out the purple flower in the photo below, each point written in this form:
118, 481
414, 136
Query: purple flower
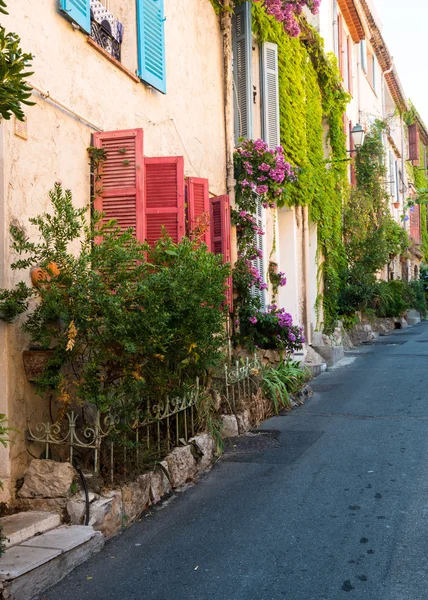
263, 286
253, 320
244, 183
262, 189
264, 167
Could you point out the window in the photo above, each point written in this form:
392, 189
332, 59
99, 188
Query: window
106, 30
372, 67
363, 50
148, 194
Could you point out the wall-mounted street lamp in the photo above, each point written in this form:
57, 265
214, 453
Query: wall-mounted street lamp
357, 134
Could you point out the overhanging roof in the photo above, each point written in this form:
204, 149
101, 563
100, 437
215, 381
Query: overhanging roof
352, 19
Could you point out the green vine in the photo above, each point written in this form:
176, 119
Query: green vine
311, 95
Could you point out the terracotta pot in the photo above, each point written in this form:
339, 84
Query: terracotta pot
35, 362
396, 205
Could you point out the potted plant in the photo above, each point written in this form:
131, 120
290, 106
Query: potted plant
396, 204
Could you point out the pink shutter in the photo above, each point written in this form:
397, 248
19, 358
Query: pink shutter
415, 223
220, 234
164, 198
198, 204
414, 144
119, 192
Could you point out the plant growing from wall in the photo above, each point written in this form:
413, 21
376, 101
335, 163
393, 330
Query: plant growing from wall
371, 235
311, 99
127, 322
14, 63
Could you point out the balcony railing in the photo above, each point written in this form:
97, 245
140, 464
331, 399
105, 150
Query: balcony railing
106, 30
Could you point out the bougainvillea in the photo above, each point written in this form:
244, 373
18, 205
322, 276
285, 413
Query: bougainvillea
287, 12
261, 174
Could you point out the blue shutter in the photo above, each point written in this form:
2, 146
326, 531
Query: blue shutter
151, 43
78, 11
242, 71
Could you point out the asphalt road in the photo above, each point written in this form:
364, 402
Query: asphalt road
331, 503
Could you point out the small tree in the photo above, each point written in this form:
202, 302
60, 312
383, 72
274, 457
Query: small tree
14, 89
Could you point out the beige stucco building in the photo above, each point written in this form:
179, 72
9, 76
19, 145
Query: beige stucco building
81, 88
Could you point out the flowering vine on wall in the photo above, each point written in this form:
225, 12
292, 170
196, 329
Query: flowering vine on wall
287, 12
262, 174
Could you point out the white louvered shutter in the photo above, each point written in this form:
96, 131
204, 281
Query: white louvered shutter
270, 95
242, 72
258, 262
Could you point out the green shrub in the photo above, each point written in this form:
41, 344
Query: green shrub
127, 322
281, 381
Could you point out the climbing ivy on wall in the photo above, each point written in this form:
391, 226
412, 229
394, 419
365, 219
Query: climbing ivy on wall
311, 96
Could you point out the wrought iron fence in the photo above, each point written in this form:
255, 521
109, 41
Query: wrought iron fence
105, 40
115, 445
119, 442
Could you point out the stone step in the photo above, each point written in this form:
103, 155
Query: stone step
23, 526
35, 565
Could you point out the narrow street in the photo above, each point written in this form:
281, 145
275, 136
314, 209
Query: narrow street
334, 502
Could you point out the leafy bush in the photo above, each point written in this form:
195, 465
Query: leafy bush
127, 321
281, 381
14, 89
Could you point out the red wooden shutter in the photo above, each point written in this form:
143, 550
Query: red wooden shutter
352, 148
164, 198
119, 192
340, 38
220, 234
415, 223
198, 204
414, 144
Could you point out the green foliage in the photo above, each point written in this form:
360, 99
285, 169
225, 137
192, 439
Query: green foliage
126, 321
281, 381
311, 95
371, 236
3, 7
14, 89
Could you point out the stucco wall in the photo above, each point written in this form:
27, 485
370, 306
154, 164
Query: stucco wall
187, 121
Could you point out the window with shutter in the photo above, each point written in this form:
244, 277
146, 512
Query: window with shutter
78, 11
163, 200
415, 223
414, 144
392, 184
119, 193
270, 94
198, 204
242, 71
220, 234
151, 43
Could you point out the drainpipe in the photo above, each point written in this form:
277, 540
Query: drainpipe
306, 274
226, 28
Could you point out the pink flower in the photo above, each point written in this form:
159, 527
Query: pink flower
262, 189
253, 320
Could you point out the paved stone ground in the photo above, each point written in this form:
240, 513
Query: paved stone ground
334, 507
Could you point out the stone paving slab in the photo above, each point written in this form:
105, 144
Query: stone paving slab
63, 538
22, 526
20, 559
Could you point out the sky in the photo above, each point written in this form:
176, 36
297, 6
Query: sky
405, 33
